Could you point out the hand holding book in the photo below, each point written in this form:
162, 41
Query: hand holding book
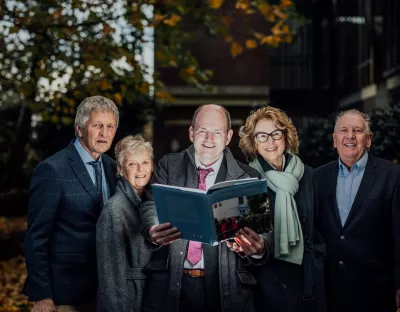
248, 242
163, 234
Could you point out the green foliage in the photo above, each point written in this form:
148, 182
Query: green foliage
386, 133
316, 147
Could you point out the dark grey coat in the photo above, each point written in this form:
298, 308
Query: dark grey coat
224, 269
121, 252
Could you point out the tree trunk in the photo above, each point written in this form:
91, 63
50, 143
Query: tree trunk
15, 176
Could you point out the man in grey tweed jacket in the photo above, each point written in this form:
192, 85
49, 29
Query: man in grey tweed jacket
219, 281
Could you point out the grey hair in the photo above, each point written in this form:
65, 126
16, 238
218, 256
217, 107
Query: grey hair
91, 104
131, 144
224, 110
366, 117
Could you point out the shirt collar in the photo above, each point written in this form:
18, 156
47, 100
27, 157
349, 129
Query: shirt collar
359, 165
85, 156
215, 166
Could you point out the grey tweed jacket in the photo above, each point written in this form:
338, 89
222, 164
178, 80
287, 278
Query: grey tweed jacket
121, 252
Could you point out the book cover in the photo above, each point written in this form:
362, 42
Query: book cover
217, 214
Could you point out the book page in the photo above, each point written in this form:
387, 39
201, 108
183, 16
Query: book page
244, 211
231, 183
186, 189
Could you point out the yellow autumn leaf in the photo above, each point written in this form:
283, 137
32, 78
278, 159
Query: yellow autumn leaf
144, 88
286, 3
259, 35
289, 38
251, 44
236, 49
228, 39
215, 4
275, 41
279, 13
104, 85
118, 98
266, 40
242, 5
159, 18
190, 70
173, 20
268, 12
276, 30
164, 95
264, 8
172, 63
285, 29
226, 20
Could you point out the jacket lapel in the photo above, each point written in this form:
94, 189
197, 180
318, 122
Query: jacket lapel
81, 172
368, 180
332, 181
110, 173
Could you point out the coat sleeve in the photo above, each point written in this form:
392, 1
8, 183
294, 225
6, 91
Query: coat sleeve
148, 212
44, 200
396, 233
112, 261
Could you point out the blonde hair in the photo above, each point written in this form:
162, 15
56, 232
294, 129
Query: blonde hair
283, 122
131, 144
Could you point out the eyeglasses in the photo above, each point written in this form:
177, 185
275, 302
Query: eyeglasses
263, 137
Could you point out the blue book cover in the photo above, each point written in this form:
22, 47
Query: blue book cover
217, 214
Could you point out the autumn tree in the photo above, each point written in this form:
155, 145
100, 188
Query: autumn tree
54, 53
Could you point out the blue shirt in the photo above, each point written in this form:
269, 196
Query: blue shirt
347, 186
86, 158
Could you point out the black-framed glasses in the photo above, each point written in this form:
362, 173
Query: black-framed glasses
263, 136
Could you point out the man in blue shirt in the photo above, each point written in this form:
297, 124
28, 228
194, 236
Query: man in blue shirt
359, 199
67, 193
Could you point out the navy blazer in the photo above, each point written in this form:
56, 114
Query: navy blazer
60, 243
363, 255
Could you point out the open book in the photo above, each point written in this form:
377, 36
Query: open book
217, 214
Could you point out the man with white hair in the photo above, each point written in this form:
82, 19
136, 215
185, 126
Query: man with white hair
67, 193
359, 198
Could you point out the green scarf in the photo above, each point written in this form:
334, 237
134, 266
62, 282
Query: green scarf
288, 236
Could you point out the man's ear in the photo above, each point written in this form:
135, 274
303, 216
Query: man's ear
334, 140
119, 170
191, 134
79, 131
229, 136
369, 141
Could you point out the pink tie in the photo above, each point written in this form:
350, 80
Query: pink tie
194, 250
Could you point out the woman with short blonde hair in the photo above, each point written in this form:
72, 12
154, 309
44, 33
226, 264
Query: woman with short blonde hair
121, 251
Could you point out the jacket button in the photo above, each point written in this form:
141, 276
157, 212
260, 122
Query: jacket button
304, 220
181, 252
342, 237
341, 262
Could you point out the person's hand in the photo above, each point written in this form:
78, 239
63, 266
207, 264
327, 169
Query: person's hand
163, 234
398, 298
235, 247
248, 242
45, 305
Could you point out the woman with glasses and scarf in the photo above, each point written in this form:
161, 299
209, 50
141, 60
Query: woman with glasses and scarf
290, 272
